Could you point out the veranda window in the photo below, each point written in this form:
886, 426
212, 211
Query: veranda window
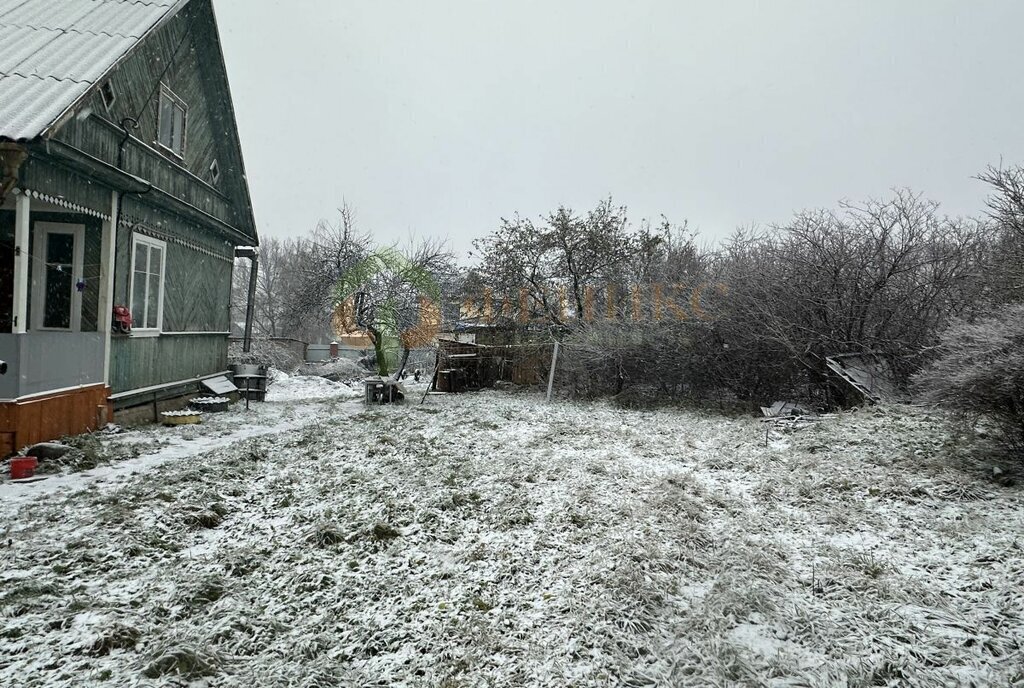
57, 298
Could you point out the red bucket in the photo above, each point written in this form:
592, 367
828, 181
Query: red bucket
23, 467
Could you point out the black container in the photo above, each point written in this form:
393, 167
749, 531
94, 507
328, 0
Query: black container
254, 377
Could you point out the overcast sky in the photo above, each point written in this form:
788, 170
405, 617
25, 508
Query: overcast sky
438, 118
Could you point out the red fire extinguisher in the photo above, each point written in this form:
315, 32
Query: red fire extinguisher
122, 320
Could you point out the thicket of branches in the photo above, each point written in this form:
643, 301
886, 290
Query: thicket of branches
644, 311
296, 279
753, 320
977, 369
335, 279
980, 372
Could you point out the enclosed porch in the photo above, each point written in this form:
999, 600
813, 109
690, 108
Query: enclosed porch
56, 262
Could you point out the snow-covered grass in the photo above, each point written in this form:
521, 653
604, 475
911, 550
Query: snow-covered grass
494, 540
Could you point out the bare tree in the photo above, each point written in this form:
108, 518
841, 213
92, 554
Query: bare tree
396, 296
883, 276
1006, 209
331, 251
556, 268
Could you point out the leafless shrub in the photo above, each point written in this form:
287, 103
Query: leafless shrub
883, 276
979, 372
265, 351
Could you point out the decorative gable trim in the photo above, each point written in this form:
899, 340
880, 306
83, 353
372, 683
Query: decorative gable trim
62, 202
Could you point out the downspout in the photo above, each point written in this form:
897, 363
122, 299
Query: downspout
251, 253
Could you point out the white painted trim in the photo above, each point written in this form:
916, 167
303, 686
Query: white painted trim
107, 85
22, 223
51, 392
166, 385
138, 238
77, 231
178, 334
108, 259
60, 202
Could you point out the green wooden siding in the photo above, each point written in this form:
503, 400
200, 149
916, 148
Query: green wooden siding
146, 361
197, 292
183, 55
41, 175
197, 283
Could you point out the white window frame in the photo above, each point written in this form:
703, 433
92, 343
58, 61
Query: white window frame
39, 274
166, 92
104, 87
162, 245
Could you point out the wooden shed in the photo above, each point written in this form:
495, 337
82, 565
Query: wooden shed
122, 192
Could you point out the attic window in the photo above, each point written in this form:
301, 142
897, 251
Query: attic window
214, 171
171, 122
108, 95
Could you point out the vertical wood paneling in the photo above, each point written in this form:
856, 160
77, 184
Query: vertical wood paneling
182, 54
138, 362
48, 418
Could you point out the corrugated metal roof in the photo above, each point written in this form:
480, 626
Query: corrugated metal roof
53, 51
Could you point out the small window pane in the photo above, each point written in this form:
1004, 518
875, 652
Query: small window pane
141, 257
139, 299
166, 124
60, 248
179, 129
57, 298
155, 260
60, 255
153, 310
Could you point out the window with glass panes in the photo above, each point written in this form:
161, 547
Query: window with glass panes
57, 295
171, 122
148, 259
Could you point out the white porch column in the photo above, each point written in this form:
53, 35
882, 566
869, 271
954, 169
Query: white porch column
108, 254
21, 233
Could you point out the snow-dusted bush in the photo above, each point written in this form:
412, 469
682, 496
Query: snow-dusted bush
265, 352
979, 372
767, 309
338, 369
656, 362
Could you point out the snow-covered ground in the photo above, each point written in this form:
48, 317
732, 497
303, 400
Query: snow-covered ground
494, 540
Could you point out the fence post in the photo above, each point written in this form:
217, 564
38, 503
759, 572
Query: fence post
551, 373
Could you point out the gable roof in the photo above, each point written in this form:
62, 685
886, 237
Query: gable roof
52, 52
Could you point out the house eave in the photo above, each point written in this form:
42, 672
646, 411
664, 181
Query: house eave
82, 163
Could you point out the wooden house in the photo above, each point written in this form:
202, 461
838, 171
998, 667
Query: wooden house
123, 191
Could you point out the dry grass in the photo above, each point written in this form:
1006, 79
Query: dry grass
500, 541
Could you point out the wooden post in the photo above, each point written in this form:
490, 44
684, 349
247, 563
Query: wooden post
23, 206
433, 380
551, 373
108, 253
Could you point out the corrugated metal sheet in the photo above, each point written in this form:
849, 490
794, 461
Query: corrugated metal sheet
53, 51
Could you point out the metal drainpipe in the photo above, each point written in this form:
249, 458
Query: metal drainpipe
250, 306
